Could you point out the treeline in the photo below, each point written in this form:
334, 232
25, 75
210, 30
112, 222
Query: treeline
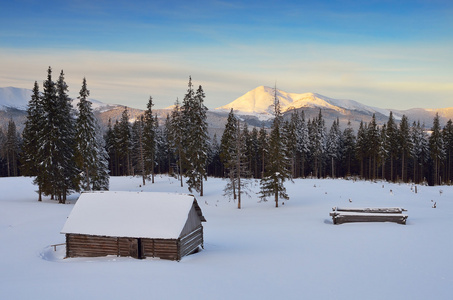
395, 152
65, 150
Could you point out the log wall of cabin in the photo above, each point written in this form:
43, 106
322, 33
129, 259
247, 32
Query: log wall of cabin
78, 245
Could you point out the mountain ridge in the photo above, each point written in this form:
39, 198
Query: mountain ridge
254, 107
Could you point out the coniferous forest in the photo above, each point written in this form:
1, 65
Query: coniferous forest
66, 151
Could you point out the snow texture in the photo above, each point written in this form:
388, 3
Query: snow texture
130, 214
258, 252
259, 102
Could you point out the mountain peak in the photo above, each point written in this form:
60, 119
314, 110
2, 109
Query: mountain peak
14, 97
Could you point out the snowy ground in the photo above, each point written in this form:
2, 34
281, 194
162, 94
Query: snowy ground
259, 252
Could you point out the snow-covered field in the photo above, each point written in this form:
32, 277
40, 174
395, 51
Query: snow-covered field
258, 252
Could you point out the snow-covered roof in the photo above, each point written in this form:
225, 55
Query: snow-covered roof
130, 214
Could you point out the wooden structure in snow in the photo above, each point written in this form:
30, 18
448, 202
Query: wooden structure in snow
377, 214
136, 224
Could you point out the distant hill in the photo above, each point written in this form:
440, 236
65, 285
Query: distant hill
259, 103
254, 107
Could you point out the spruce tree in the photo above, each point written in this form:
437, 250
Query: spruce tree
149, 139
123, 143
349, 146
405, 145
372, 147
11, 149
333, 146
176, 138
34, 125
436, 148
58, 176
90, 153
68, 178
195, 138
303, 142
392, 143
263, 150
362, 146
278, 165
382, 151
448, 144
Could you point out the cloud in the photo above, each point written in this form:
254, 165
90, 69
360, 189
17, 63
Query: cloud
375, 74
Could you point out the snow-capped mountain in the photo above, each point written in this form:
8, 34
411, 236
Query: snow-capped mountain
12, 97
260, 100
258, 104
17, 98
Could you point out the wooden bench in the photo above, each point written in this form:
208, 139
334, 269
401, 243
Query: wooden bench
372, 214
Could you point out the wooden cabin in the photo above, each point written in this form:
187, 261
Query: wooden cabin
136, 224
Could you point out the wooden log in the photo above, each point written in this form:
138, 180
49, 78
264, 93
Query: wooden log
345, 217
387, 210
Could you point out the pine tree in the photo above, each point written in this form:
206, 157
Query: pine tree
176, 136
227, 142
138, 160
318, 141
303, 142
59, 175
123, 143
90, 153
349, 147
392, 143
31, 135
195, 138
109, 141
278, 168
149, 139
362, 146
405, 145
448, 144
290, 132
333, 145
373, 147
10, 149
215, 165
382, 151
234, 157
263, 150
436, 149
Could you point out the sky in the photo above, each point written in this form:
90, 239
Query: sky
387, 54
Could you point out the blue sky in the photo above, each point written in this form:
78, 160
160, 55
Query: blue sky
390, 54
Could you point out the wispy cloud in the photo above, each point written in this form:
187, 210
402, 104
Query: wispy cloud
375, 74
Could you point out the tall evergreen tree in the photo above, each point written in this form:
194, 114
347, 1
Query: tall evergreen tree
392, 143
176, 136
382, 151
349, 147
436, 148
373, 147
31, 135
149, 139
90, 154
11, 149
263, 150
334, 145
362, 146
405, 145
448, 144
123, 143
278, 165
303, 142
59, 175
196, 141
